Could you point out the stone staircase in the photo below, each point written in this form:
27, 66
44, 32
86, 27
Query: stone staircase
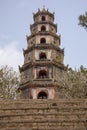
61, 114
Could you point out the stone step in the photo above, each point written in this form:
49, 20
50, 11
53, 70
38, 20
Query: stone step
43, 126
5, 114
45, 101
53, 106
43, 114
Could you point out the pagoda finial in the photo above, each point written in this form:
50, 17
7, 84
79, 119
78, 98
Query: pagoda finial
43, 6
38, 10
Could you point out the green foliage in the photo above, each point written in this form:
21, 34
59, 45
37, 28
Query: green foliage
83, 20
9, 80
74, 83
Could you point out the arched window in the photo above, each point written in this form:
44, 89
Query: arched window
43, 28
43, 18
42, 40
42, 74
42, 56
42, 95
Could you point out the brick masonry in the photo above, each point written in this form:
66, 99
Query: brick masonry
42, 114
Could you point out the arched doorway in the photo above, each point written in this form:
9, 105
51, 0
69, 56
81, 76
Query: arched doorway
43, 18
42, 40
42, 56
43, 28
42, 95
42, 74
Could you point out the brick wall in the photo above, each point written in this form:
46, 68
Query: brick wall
43, 114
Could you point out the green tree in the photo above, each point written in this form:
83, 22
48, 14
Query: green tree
74, 83
83, 20
9, 81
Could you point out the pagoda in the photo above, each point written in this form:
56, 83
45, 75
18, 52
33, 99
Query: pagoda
43, 59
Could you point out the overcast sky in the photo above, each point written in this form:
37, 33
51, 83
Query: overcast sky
16, 17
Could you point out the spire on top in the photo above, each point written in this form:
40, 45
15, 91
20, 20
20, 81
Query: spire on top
43, 6
43, 11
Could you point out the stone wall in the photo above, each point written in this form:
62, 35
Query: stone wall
43, 114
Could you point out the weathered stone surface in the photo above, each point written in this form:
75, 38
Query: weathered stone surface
62, 114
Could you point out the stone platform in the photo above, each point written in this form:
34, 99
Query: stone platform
62, 114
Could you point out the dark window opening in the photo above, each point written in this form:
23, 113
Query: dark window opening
43, 28
43, 18
31, 97
42, 74
42, 95
42, 40
42, 56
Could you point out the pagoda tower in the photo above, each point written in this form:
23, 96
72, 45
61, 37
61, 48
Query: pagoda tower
43, 59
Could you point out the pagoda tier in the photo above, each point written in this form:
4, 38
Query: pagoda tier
43, 46
43, 59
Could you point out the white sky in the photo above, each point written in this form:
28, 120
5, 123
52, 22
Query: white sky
16, 17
